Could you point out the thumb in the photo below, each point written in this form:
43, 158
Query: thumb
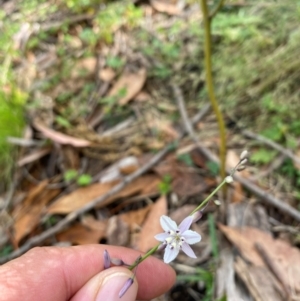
107, 285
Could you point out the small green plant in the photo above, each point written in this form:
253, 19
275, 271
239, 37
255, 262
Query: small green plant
115, 62
213, 168
292, 172
114, 16
70, 175
62, 121
88, 36
81, 180
186, 159
165, 185
207, 277
263, 156
11, 124
84, 180
6, 250
213, 236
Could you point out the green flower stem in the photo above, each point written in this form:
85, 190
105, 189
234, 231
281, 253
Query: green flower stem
154, 249
142, 258
209, 197
210, 88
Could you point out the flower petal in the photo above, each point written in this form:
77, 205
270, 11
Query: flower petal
185, 224
188, 250
167, 223
170, 254
191, 237
161, 236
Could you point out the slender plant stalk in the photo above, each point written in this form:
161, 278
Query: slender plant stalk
207, 18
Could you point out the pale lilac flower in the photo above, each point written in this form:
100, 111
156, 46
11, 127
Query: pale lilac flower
177, 238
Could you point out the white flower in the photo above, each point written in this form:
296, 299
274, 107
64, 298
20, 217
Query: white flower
177, 237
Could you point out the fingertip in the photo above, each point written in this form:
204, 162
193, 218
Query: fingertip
111, 284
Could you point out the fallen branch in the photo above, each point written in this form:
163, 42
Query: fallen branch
267, 197
36, 240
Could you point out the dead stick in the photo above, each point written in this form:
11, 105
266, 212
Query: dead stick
36, 240
267, 197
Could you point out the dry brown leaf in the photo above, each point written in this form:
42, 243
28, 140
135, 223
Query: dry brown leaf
78, 198
260, 282
29, 215
118, 232
107, 74
181, 213
198, 158
244, 243
93, 224
164, 128
166, 6
84, 67
152, 225
135, 218
81, 196
285, 257
131, 82
143, 96
79, 234
188, 184
60, 137
70, 157
185, 182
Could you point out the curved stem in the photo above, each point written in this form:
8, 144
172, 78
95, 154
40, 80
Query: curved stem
210, 89
142, 258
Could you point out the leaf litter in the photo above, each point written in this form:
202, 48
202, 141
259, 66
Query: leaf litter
95, 104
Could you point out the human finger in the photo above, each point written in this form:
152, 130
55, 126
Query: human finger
52, 273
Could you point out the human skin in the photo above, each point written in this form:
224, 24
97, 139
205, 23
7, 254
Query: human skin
77, 273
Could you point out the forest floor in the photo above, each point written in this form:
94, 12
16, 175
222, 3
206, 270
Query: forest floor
109, 92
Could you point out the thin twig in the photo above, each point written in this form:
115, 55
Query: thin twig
36, 240
272, 144
264, 195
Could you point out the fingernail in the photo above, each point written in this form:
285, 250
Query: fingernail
113, 284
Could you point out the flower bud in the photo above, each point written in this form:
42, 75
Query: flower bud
241, 167
217, 202
244, 161
117, 261
106, 260
229, 179
126, 287
197, 215
244, 154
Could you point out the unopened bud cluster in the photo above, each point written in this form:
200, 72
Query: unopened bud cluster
243, 161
